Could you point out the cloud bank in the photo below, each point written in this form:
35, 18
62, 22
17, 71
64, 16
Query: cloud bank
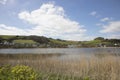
3, 2
111, 27
10, 30
50, 21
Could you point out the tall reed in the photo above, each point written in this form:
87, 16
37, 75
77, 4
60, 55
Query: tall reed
106, 67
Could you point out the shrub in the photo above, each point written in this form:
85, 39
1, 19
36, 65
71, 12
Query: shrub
5, 73
19, 72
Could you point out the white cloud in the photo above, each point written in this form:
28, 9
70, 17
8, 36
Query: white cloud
10, 30
114, 36
111, 27
3, 2
93, 13
50, 21
105, 19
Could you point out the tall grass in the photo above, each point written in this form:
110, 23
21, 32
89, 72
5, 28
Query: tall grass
106, 67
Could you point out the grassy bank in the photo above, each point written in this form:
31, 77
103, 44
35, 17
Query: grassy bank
94, 68
18, 41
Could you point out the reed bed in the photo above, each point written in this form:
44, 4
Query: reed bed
106, 67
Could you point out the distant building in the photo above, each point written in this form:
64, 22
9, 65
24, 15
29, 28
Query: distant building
101, 45
72, 46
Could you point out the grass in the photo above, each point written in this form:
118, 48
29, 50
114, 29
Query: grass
24, 41
63, 42
94, 68
6, 36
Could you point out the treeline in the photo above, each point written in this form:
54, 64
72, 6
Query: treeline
38, 39
101, 42
44, 42
29, 42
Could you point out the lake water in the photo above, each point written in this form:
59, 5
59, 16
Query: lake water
65, 52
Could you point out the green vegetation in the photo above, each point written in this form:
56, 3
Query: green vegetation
32, 41
41, 41
25, 41
19, 72
6, 36
93, 43
101, 42
61, 43
58, 41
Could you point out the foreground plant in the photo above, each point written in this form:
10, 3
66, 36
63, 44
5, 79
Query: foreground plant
23, 73
5, 73
19, 72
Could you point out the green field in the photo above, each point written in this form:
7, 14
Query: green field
63, 42
25, 41
50, 42
6, 36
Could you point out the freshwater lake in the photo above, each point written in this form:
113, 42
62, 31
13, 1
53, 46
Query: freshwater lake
64, 53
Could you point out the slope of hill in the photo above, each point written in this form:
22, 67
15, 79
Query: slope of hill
32, 41
7, 41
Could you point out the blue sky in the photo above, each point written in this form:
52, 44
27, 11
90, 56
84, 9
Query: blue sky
64, 19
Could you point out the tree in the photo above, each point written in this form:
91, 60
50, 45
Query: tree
1, 40
99, 38
39, 39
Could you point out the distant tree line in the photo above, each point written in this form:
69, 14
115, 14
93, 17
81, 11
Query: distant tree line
101, 42
41, 41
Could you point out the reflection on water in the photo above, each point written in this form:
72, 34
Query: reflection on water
61, 53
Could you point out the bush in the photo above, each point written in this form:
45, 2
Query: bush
5, 73
19, 72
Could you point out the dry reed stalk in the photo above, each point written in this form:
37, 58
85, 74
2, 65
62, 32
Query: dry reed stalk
105, 68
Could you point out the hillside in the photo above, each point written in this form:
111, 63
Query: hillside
32, 41
7, 41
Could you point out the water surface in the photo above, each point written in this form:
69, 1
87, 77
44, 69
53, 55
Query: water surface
66, 53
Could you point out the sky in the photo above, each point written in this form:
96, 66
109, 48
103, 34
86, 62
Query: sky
61, 19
